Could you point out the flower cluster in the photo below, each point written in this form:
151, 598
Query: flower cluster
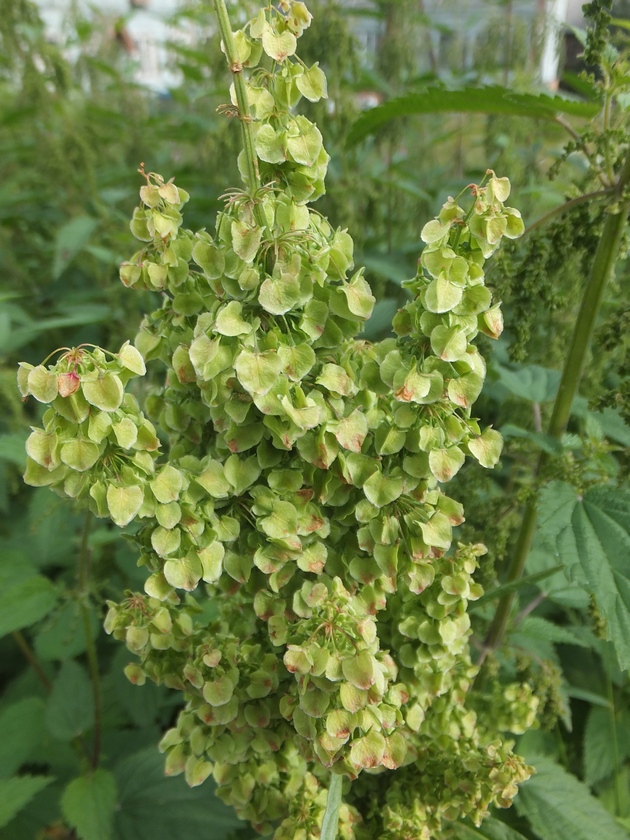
300, 499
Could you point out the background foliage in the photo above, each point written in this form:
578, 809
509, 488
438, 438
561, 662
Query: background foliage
72, 134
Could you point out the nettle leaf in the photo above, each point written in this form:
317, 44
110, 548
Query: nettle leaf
258, 372
606, 741
490, 829
88, 805
278, 45
124, 503
154, 807
245, 240
312, 83
70, 707
17, 792
558, 806
105, 393
592, 538
487, 447
21, 731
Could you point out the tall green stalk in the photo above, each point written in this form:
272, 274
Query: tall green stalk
602, 270
244, 113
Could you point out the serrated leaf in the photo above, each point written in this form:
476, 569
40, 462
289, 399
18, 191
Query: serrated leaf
70, 706
21, 731
558, 806
88, 805
154, 807
592, 537
24, 602
601, 735
17, 792
484, 100
490, 829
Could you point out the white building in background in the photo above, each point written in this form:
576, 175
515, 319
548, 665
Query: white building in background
148, 28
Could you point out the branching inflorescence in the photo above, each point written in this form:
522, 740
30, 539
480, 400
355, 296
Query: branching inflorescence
296, 484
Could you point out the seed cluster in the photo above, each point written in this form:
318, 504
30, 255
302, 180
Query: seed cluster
300, 498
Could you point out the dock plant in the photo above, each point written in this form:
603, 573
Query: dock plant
285, 485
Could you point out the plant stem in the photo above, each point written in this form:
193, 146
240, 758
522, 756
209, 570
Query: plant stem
30, 657
244, 114
581, 199
83, 570
602, 269
331, 817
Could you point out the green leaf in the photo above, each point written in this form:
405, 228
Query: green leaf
279, 295
449, 343
352, 431
532, 382
154, 807
602, 731
24, 602
71, 238
592, 537
241, 472
537, 627
445, 463
230, 321
297, 361
490, 829
88, 805
484, 100
21, 731
17, 792
42, 384
245, 241
558, 806
131, 359
62, 635
70, 707
167, 485
270, 145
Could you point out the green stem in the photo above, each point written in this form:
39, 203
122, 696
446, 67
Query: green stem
331, 817
30, 657
618, 788
244, 114
602, 269
562, 208
83, 574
